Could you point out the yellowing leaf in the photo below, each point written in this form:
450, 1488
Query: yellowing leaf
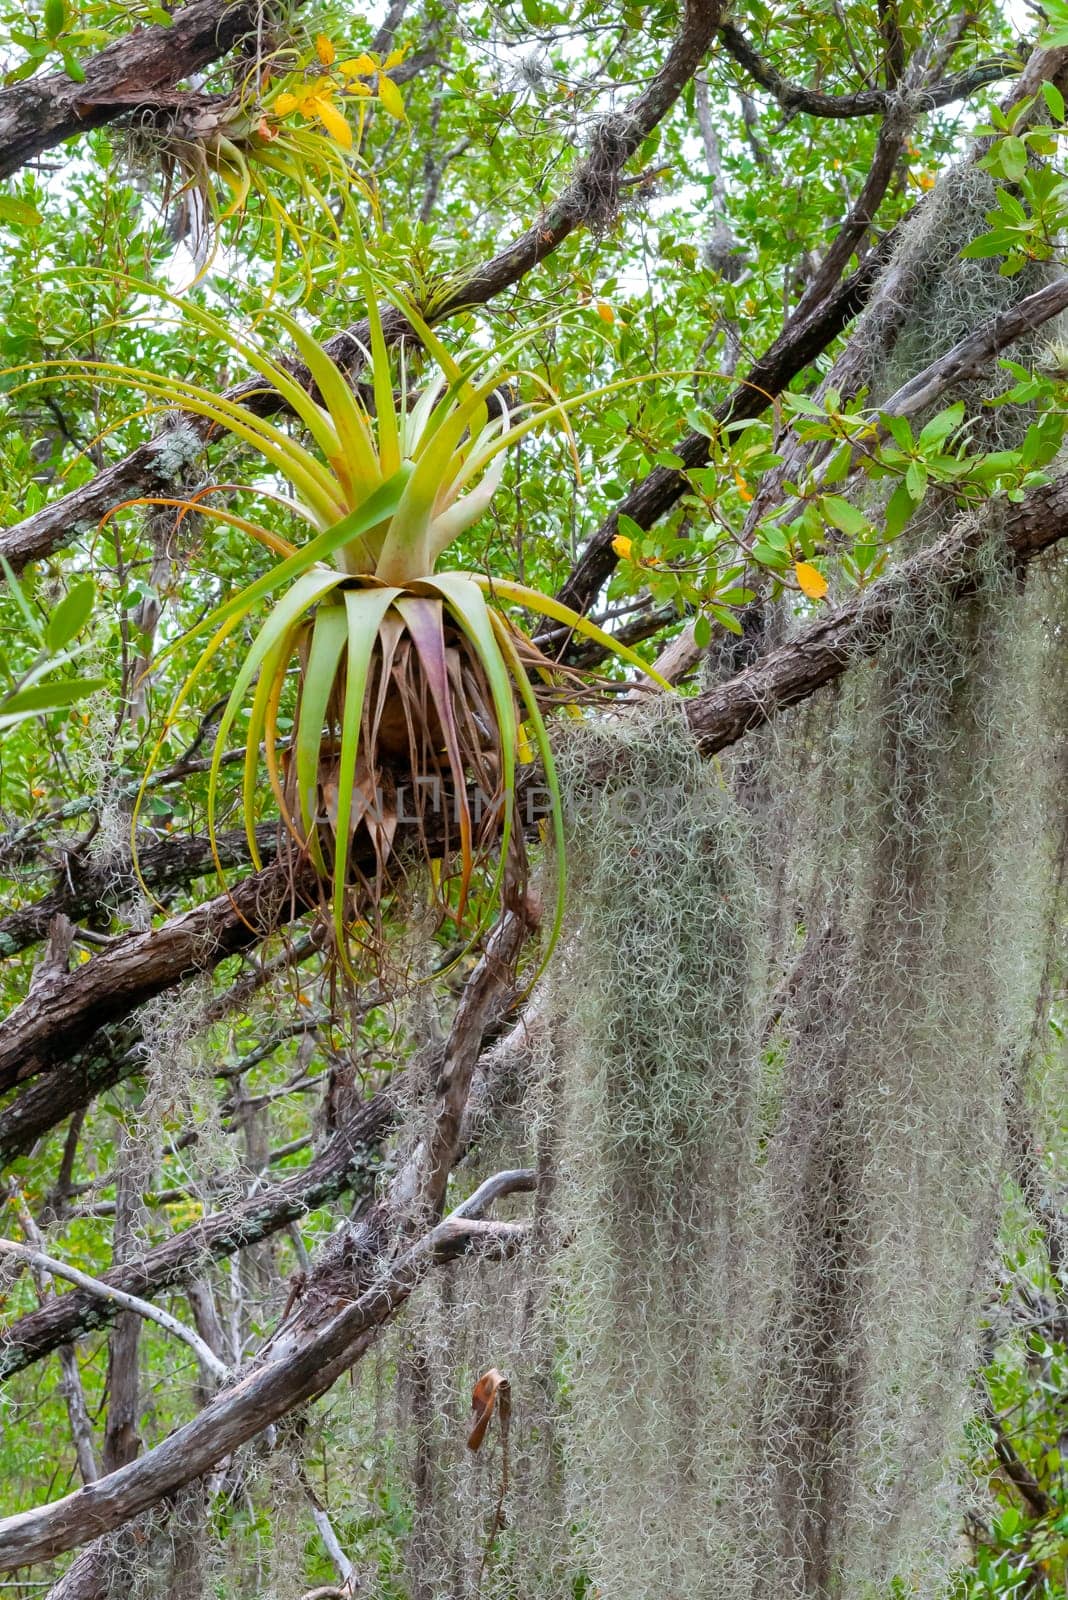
324, 50
390, 96
285, 104
605, 312
334, 123
810, 580
358, 66
622, 546
394, 58
744, 492
358, 89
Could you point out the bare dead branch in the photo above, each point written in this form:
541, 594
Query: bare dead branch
128, 1302
247, 1407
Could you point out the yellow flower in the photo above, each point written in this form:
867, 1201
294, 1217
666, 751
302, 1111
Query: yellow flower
332, 120
313, 101
358, 66
390, 98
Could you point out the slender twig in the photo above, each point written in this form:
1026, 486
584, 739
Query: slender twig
129, 1302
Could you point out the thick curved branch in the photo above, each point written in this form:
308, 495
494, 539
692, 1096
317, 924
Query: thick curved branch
42, 112
151, 468
261, 1397
43, 1032
828, 648
793, 97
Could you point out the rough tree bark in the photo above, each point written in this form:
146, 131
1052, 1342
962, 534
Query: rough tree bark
43, 111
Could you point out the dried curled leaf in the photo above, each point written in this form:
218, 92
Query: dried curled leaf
492, 1390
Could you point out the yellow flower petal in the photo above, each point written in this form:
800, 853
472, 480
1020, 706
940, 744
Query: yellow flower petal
358, 66
334, 123
390, 97
810, 580
285, 104
324, 50
622, 546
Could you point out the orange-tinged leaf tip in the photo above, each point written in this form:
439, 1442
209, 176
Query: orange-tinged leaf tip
810, 580
390, 97
605, 312
358, 66
744, 492
334, 123
285, 104
622, 546
324, 50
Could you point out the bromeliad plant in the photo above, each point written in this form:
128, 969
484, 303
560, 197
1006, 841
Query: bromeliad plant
412, 683
296, 124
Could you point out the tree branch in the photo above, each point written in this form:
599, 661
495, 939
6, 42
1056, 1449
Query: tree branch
794, 97
121, 1300
87, 885
43, 111
341, 1165
250, 1405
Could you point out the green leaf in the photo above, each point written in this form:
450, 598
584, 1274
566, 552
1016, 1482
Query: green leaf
1013, 153
941, 426
45, 697
987, 245
18, 212
1054, 100
702, 632
55, 17
844, 516
71, 615
726, 619
899, 509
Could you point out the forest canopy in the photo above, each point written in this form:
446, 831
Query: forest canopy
533, 755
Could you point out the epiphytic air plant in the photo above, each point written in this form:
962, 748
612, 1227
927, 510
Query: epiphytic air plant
408, 679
